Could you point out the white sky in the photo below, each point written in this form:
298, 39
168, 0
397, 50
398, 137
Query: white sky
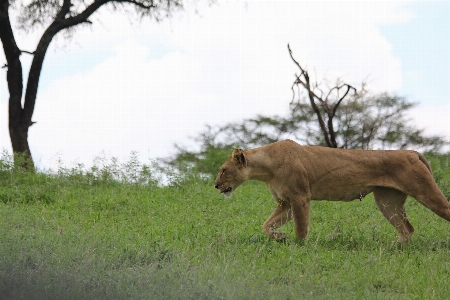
119, 88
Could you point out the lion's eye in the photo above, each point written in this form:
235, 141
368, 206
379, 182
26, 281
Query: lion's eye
223, 171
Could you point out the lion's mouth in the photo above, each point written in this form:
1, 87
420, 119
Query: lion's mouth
227, 190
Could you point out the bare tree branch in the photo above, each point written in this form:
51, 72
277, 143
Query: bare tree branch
139, 4
27, 52
349, 87
65, 9
329, 108
312, 96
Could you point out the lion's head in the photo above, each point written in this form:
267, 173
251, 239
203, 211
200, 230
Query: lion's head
231, 173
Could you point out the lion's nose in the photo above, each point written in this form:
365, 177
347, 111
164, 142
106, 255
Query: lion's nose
216, 186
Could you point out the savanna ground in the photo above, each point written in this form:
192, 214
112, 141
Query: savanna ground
81, 235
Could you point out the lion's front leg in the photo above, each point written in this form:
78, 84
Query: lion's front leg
279, 217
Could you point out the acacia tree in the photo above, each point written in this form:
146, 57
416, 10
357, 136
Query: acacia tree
364, 121
338, 116
54, 16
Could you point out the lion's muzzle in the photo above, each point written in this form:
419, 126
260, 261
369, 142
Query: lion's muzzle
224, 190
227, 190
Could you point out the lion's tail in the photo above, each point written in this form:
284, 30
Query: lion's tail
425, 162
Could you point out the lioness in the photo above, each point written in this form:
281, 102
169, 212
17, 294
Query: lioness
296, 174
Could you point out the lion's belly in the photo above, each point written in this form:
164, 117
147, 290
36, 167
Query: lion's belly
341, 193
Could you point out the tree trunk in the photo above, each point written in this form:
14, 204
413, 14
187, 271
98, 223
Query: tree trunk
18, 133
18, 127
20, 117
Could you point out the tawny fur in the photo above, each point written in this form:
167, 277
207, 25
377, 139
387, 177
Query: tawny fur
297, 174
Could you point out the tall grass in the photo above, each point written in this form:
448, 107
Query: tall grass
114, 231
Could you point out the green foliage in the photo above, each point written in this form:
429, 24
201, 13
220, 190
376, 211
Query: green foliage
40, 13
18, 184
380, 122
362, 121
204, 163
21, 186
106, 170
103, 238
19, 162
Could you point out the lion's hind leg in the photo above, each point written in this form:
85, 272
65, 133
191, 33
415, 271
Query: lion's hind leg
391, 203
430, 196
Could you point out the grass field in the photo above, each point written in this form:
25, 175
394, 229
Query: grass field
73, 236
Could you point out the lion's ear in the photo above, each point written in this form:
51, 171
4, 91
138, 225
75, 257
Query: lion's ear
238, 157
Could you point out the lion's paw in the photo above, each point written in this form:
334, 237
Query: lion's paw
279, 236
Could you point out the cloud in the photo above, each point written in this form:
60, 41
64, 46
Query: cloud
433, 118
125, 103
334, 38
